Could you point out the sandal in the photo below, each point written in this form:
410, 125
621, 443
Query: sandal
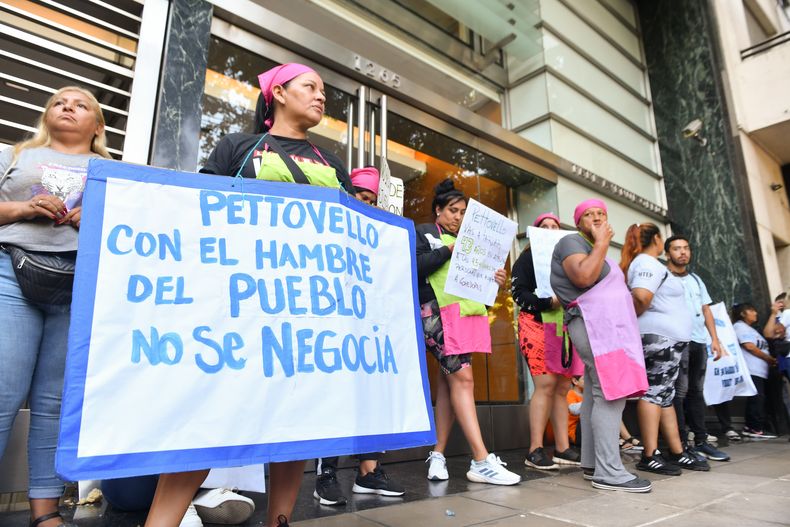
45, 517
635, 444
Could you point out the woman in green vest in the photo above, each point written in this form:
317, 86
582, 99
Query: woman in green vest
454, 328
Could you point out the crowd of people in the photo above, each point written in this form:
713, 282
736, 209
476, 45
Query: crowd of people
612, 331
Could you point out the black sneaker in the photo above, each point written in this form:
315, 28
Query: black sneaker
711, 452
377, 482
635, 485
569, 457
658, 465
327, 489
282, 521
538, 459
699, 456
688, 461
588, 473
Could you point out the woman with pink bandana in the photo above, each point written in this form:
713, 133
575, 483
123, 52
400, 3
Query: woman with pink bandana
292, 101
602, 325
539, 323
366, 184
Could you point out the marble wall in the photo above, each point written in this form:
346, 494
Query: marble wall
707, 189
177, 124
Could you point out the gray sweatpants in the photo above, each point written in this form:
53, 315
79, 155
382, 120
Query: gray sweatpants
600, 419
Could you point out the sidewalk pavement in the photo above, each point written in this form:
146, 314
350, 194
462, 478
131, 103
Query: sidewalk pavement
753, 489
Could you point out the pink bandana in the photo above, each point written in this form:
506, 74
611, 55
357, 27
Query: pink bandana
544, 216
279, 75
582, 207
366, 178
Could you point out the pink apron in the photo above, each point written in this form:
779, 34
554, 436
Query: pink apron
610, 319
556, 344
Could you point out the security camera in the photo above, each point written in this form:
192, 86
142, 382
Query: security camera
693, 130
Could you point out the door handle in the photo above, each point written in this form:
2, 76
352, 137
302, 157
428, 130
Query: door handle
383, 127
350, 133
362, 95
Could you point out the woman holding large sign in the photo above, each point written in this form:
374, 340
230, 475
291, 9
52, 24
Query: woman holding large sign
454, 329
40, 211
292, 101
602, 324
551, 387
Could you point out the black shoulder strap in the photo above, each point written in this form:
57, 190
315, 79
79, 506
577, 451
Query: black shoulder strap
296, 172
699, 282
666, 275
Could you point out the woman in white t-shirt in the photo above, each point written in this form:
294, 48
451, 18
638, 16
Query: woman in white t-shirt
665, 325
759, 361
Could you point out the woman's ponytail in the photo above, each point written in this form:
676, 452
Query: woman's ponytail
637, 238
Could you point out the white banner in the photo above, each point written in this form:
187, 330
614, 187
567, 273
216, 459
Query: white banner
481, 248
728, 376
220, 323
542, 243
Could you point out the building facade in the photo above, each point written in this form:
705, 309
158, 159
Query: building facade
529, 105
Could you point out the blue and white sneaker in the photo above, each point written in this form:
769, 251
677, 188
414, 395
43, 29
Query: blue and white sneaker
491, 470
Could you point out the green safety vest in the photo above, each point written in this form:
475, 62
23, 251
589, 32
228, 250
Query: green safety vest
273, 168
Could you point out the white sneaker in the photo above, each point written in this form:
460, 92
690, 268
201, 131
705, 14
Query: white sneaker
491, 470
223, 506
437, 467
191, 518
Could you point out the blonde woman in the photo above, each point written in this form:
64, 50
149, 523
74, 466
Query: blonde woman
40, 197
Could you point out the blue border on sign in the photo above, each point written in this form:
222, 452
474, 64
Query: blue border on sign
73, 468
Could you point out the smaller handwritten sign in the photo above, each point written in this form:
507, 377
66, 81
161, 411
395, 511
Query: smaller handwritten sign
482, 246
542, 242
390, 196
728, 376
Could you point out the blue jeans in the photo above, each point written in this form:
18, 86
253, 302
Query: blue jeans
32, 361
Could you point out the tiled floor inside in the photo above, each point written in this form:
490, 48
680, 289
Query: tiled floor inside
753, 489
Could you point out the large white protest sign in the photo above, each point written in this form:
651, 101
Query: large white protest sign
728, 376
218, 322
542, 243
482, 246
390, 196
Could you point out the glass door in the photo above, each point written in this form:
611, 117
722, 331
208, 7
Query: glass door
361, 126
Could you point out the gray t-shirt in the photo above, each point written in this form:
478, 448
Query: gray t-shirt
43, 171
560, 283
668, 314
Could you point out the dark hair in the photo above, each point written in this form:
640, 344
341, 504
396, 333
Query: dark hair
739, 309
675, 238
637, 238
445, 193
780, 296
263, 112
